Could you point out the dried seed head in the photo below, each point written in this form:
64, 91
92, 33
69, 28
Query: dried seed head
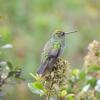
58, 77
93, 56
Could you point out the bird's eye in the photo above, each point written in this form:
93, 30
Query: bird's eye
62, 33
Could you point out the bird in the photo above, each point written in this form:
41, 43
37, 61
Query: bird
52, 50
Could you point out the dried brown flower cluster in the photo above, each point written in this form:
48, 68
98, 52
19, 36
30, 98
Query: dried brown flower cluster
90, 95
56, 80
93, 56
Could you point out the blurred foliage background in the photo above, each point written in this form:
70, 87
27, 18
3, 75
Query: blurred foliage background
28, 24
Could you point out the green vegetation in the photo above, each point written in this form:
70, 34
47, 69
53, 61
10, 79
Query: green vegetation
66, 83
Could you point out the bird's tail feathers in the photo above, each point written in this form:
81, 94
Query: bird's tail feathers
42, 68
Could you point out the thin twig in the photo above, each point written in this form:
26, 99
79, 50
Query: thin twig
61, 98
48, 97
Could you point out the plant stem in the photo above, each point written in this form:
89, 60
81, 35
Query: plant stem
61, 98
48, 97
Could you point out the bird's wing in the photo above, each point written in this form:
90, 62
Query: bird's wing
50, 50
45, 51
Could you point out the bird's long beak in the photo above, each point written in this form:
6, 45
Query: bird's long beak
70, 32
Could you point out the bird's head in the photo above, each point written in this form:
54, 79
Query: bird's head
61, 34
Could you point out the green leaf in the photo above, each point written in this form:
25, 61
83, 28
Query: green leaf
70, 97
10, 65
75, 72
33, 75
82, 75
38, 85
36, 88
94, 68
98, 95
36, 77
92, 82
69, 90
63, 93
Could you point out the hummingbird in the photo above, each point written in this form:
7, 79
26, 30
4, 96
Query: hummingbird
52, 50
